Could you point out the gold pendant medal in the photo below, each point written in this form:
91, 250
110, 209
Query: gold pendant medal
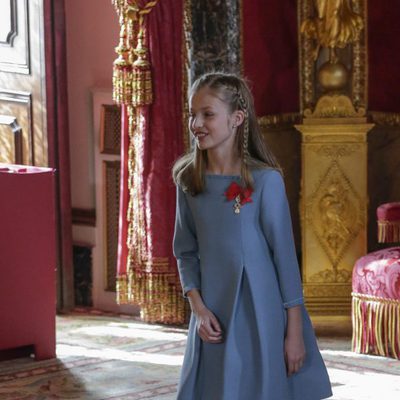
236, 206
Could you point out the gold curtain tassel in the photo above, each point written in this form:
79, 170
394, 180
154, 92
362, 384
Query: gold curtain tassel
141, 76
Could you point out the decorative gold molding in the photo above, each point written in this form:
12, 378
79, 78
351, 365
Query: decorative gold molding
279, 121
331, 276
335, 151
334, 106
385, 118
328, 291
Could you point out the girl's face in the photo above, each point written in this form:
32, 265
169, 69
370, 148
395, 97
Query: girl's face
211, 122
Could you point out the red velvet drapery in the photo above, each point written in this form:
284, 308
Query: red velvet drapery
270, 54
383, 55
147, 272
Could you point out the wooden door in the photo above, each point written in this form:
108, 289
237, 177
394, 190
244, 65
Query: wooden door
23, 133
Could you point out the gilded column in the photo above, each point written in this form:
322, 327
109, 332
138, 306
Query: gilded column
334, 129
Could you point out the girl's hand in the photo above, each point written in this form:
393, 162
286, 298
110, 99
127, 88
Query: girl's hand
208, 326
295, 353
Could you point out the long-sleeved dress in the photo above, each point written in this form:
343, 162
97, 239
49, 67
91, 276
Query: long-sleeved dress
246, 269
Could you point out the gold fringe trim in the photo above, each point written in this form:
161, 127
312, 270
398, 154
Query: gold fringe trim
376, 325
388, 231
159, 297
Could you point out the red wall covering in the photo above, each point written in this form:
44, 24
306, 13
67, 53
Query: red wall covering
270, 55
384, 55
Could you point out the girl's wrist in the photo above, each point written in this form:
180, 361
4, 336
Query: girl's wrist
294, 333
195, 300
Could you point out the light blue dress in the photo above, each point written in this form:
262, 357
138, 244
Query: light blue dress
246, 269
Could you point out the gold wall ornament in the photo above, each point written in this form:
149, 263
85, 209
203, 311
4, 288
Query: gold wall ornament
334, 106
335, 26
333, 213
332, 44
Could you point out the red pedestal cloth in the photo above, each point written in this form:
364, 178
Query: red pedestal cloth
28, 259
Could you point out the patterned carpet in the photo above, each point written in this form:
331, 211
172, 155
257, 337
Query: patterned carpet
102, 356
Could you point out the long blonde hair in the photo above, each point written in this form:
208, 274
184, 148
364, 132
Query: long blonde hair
189, 170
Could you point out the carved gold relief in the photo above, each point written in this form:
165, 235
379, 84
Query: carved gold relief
335, 213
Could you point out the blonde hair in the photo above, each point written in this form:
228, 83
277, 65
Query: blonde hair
189, 170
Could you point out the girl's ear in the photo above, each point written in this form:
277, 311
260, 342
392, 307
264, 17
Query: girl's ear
238, 117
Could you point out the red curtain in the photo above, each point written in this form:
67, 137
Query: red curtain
270, 54
164, 139
147, 272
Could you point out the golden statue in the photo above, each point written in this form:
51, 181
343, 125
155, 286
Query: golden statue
335, 26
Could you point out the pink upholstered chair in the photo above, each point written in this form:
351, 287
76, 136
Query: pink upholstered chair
376, 291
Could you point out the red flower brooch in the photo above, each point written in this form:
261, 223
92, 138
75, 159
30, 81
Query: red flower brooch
240, 194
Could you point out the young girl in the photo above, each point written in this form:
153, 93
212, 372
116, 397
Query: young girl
250, 336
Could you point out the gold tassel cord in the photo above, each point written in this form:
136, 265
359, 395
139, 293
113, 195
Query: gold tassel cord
376, 325
122, 67
142, 90
132, 80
